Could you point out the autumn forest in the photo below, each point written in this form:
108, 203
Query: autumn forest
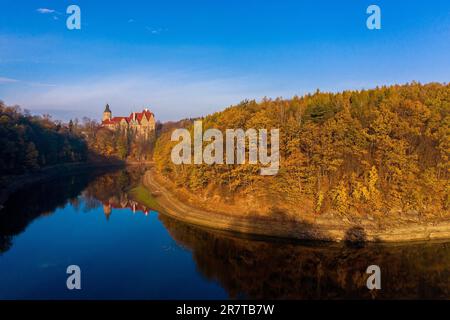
384, 151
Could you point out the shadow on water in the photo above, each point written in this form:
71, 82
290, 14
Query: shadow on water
282, 269
355, 237
36, 200
40, 199
43, 198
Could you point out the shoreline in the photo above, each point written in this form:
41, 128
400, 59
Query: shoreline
319, 229
262, 226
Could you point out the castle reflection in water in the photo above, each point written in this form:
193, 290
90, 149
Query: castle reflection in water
127, 204
114, 191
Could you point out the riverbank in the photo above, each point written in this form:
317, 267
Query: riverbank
327, 228
11, 184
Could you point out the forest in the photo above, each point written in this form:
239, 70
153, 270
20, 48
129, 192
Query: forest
118, 144
384, 151
28, 143
31, 142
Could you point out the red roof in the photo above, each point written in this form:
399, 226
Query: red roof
138, 115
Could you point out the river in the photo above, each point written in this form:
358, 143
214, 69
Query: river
127, 249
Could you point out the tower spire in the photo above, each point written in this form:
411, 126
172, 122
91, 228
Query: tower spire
107, 114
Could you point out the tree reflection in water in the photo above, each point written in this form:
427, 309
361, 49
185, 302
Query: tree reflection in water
276, 269
91, 188
253, 267
40, 199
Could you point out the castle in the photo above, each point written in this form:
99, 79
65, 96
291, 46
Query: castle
139, 123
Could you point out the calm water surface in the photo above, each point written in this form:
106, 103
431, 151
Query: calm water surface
128, 250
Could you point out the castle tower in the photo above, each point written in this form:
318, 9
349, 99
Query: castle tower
107, 113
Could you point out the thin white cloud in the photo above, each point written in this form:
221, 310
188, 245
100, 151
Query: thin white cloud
155, 30
130, 20
170, 97
40, 84
45, 10
8, 80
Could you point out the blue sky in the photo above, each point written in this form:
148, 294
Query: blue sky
193, 57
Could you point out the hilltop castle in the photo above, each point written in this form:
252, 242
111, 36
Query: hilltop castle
140, 123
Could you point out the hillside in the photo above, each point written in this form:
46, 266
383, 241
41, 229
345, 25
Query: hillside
376, 154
